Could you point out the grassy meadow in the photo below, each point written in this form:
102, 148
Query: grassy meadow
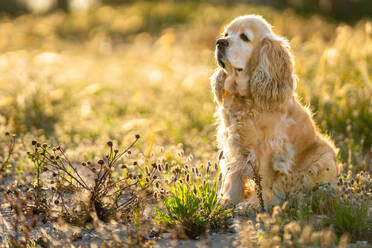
82, 79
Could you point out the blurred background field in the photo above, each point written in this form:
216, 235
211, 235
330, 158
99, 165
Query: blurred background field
80, 73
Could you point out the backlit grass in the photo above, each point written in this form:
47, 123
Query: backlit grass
81, 79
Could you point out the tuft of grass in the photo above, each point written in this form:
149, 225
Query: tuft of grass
278, 229
195, 208
351, 209
351, 219
344, 207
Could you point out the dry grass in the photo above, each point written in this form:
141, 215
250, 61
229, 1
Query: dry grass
81, 79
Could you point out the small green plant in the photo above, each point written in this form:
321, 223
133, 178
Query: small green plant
351, 210
344, 207
195, 208
350, 218
320, 200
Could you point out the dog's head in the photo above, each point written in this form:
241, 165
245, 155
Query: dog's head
257, 59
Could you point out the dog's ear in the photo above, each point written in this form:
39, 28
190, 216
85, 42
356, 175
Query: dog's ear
272, 80
217, 83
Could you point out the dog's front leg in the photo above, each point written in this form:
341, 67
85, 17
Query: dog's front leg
232, 189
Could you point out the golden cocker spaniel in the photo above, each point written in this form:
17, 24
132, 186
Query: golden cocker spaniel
260, 119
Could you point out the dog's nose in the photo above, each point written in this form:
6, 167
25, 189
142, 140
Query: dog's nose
222, 43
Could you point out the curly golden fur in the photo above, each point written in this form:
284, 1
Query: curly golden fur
260, 119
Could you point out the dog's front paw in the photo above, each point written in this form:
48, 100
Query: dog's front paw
226, 203
245, 209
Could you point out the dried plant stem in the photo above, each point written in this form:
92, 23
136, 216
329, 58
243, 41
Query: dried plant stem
11, 144
257, 180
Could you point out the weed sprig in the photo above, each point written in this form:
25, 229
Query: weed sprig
11, 143
105, 195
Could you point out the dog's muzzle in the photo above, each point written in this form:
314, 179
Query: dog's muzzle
221, 45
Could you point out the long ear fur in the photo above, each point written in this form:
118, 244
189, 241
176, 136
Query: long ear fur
272, 80
217, 83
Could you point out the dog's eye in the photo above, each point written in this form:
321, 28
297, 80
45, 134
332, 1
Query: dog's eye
226, 34
244, 37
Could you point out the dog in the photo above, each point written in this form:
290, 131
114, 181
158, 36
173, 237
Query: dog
261, 121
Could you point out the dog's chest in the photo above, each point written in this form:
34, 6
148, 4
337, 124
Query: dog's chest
236, 110
250, 126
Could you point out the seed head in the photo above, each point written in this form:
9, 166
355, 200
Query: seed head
109, 143
101, 162
340, 181
137, 136
220, 156
34, 142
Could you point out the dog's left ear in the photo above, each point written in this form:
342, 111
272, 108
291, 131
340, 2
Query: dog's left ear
272, 80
